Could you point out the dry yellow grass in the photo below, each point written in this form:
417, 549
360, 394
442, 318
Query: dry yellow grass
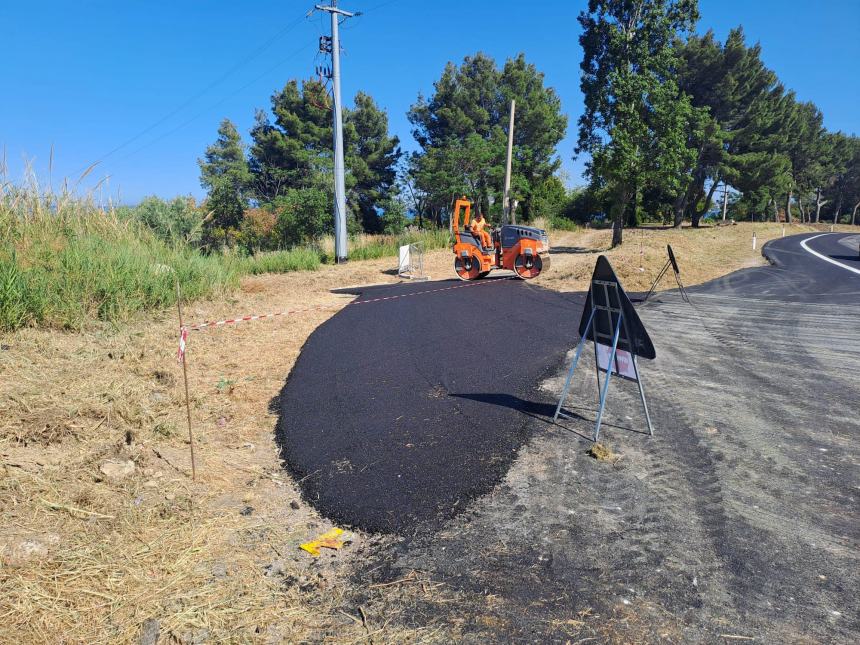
86, 558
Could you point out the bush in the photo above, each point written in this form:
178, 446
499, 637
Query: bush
394, 219
175, 221
303, 215
563, 224
257, 232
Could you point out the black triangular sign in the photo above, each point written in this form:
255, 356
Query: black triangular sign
633, 337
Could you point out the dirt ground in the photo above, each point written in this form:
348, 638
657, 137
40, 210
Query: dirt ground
106, 538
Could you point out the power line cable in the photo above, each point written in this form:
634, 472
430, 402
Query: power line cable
220, 79
259, 50
214, 105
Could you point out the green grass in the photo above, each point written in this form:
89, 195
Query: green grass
298, 259
372, 247
66, 261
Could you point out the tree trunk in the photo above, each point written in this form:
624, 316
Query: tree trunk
697, 214
775, 210
682, 203
788, 207
618, 216
678, 209
800, 208
725, 199
818, 204
693, 200
837, 209
854, 213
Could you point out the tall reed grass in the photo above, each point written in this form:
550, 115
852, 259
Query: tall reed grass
66, 260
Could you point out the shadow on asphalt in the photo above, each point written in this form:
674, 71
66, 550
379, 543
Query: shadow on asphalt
542, 411
535, 409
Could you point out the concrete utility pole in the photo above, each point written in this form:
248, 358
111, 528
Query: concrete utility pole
508, 211
340, 235
725, 199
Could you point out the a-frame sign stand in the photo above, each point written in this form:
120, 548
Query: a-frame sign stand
674, 264
610, 322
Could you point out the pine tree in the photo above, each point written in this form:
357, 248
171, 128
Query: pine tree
224, 173
462, 130
294, 153
372, 158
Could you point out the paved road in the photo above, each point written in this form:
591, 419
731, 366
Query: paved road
799, 271
738, 517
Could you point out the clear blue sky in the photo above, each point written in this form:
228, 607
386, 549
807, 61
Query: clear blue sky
88, 76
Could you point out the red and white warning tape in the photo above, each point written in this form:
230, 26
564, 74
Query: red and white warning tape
234, 321
241, 319
183, 338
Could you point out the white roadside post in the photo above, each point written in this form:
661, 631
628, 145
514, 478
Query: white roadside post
754, 241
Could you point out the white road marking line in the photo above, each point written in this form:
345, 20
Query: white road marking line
824, 257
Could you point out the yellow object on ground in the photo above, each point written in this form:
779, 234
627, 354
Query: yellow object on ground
602, 453
328, 540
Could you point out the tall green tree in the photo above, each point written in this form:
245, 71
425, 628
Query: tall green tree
636, 124
842, 177
806, 146
462, 131
372, 158
293, 152
224, 174
764, 143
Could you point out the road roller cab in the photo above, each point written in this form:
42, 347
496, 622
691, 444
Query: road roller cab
521, 249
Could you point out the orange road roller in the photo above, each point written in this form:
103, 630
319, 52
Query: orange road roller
521, 249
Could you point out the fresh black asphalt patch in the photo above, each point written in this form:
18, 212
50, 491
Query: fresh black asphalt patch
399, 412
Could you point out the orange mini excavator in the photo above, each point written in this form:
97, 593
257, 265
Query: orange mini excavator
522, 249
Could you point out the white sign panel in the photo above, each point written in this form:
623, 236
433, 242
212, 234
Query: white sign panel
624, 361
405, 260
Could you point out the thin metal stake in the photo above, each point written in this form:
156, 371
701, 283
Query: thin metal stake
185, 378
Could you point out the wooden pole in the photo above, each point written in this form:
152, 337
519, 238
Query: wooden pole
185, 378
508, 211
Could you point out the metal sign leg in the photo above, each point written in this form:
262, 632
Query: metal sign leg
576, 356
609, 364
659, 277
642, 396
